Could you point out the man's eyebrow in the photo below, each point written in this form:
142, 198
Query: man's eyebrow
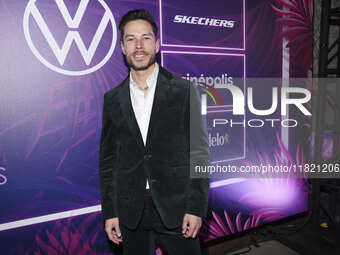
128, 35
132, 35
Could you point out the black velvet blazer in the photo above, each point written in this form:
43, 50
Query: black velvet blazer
125, 163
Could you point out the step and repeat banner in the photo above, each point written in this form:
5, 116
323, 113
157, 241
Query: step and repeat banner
59, 57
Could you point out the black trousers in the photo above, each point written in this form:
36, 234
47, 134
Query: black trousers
141, 241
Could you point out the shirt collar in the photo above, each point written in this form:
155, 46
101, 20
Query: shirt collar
150, 81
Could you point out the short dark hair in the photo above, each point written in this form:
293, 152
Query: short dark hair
135, 15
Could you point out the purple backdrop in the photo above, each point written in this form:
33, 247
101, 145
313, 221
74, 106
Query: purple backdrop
57, 60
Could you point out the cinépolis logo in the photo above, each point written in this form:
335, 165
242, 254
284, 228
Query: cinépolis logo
215, 81
209, 84
35, 20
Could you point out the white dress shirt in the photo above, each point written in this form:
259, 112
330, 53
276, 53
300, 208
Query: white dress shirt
142, 105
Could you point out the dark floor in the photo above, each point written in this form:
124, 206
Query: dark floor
266, 248
294, 236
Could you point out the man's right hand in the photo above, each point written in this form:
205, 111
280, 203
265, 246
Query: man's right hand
113, 231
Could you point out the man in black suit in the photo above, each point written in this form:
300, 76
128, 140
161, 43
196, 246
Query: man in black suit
152, 135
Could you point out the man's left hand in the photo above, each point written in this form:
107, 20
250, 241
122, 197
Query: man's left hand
191, 225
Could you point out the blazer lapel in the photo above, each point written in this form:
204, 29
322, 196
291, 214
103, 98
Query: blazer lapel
129, 115
159, 101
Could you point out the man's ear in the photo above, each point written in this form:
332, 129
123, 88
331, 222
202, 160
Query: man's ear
122, 46
157, 45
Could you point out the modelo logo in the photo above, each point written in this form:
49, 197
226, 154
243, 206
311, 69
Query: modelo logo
203, 21
218, 140
72, 36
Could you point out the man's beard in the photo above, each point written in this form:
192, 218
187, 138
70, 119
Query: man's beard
152, 60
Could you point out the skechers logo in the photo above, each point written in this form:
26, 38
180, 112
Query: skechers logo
204, 21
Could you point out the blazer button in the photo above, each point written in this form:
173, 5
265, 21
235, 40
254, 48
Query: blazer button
147, 156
